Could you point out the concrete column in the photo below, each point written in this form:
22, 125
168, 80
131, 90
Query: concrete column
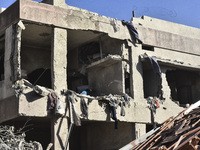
9, 42
137, 74
7, 90
59, 59
59, 82
140, 129
17, 50
59, 133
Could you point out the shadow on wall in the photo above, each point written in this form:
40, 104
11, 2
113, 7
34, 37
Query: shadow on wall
41, 77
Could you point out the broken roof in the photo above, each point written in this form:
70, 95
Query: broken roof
179, 132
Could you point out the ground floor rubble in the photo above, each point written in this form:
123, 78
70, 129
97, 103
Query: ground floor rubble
10, 139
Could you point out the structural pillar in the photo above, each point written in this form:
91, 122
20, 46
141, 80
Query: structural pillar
8, 66
59, 59
137, 74
140, 129
59, 126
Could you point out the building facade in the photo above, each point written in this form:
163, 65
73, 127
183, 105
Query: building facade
133, 83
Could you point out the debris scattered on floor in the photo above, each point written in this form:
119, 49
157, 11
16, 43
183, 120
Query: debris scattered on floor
179, 132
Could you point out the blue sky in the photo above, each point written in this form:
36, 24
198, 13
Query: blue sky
185, 12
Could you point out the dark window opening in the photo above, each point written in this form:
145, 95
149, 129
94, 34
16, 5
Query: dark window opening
2, 54
36, 54
149, 127
75, 80
127, 83
184, 86
147, 47
89, 53
77, 62
41, 77
151, 82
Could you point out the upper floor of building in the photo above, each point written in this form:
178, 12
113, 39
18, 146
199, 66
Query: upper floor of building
61, 47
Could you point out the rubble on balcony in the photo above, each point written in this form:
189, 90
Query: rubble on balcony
79, 102
54, 104
110, 102
179, 132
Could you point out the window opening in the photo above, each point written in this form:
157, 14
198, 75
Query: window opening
36, 54
147, 47
184, 86
127, 83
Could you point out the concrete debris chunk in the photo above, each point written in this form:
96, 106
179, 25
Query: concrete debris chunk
42, 90
20, 86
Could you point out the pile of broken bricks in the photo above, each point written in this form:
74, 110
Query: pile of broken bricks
180, 132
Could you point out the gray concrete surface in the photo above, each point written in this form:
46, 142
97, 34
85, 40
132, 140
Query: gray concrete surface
53, 38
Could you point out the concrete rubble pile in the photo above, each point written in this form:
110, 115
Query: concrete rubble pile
179, 132
15, 140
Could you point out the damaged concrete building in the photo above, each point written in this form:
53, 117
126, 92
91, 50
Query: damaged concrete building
113, 85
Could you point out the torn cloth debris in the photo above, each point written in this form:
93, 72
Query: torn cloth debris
55, 104
133, 32
156, 68
84, 108
153, 105
76, 117
114, 113
154, 64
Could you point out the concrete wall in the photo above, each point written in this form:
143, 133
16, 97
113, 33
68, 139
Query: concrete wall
176, 47
107, 80
34, 58
6, 84
111, 46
